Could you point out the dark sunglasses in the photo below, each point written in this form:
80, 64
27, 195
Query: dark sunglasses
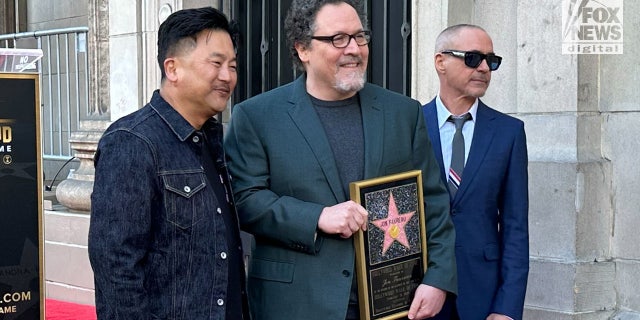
474, 59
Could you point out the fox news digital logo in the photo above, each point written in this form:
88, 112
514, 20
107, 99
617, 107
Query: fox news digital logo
592, 27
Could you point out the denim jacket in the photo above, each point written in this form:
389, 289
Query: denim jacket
157, 240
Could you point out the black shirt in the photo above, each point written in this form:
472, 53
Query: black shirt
342, 123
215, 171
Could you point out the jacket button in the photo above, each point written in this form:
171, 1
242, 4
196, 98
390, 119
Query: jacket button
346, 273
196, 139
223, 255
187, 189
220, 302
219, 211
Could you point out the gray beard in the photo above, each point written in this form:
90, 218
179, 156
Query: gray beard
354, 83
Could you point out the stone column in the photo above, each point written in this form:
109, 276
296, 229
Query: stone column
129, 31
75, 192
619, 100
126, 57
428, 18
572, 273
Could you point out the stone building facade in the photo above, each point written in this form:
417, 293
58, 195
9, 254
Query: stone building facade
581, 114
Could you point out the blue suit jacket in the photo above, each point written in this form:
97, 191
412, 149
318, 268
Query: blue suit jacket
284, 174
490, 215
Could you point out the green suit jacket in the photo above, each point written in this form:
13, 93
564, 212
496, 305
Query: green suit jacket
284, 174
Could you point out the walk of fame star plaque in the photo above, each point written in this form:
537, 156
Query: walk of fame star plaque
391, 256
21, 240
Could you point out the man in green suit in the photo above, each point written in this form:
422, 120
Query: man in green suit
293, 152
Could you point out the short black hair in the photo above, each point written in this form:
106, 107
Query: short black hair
299, 24
187, 24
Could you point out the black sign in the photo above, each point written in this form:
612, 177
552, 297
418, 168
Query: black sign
21, 244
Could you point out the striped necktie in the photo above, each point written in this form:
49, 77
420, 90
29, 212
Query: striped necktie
457, 153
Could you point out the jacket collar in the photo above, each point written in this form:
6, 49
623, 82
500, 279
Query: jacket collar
178, 125
304, 116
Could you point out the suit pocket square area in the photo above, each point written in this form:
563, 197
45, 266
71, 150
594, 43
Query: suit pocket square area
271, 270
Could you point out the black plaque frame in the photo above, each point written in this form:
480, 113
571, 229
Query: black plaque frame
22, 265
389, 273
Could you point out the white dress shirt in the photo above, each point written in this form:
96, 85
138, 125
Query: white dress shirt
447, 129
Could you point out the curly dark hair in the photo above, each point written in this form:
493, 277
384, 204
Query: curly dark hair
299, 24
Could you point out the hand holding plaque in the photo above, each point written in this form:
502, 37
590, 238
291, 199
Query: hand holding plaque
391, 255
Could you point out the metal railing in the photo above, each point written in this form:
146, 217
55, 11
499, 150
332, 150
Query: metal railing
64, 85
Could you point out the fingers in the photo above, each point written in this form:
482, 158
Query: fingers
343, 219
413, 310
420, 311
360, 216
427, 302
354, 218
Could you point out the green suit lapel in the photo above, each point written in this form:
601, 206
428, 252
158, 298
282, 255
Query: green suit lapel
373, 125
307, 121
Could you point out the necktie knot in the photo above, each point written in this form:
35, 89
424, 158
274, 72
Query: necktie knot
459, 121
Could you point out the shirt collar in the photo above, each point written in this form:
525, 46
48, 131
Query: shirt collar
443, 112
180, 126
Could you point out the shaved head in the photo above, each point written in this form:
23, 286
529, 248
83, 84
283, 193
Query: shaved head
448, 35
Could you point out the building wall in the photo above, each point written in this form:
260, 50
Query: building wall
43, 15
580, 111
620, 103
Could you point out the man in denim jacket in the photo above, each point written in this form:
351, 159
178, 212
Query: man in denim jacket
164, 240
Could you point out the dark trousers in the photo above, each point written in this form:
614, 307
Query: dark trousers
449, 310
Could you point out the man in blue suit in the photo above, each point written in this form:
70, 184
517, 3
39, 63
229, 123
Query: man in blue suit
293, 152
489, 197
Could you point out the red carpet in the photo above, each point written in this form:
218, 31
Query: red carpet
61, 310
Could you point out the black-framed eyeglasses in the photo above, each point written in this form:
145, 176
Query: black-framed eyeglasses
341, 40
473, 59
